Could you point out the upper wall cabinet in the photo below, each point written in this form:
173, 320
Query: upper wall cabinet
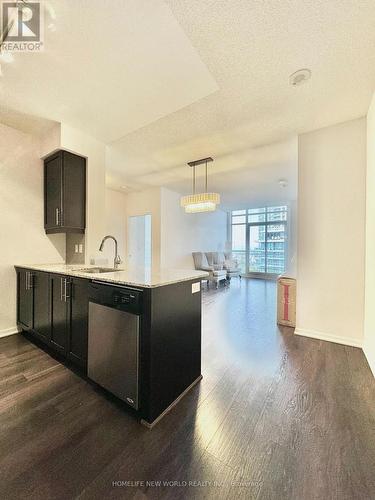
64, 193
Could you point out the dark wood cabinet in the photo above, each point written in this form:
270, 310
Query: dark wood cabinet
41, 321
25, 304
54, 308
64, 193
52, 192
69, 317
59, 286
78, 321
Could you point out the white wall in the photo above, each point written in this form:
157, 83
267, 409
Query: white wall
143, 202
95, 151
23, 239
369, 340
50, 140
292, 258
115, 225
182, 233
331, 233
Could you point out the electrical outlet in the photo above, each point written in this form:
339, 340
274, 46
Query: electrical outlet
76, 248
81, 248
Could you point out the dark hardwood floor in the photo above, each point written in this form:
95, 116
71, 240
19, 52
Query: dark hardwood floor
276, 416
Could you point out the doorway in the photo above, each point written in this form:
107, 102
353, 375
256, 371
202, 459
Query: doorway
139, 241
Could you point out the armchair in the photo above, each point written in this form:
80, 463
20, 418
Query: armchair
224, 260
201, 263
232, 266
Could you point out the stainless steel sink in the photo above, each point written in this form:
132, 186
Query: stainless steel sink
95, 270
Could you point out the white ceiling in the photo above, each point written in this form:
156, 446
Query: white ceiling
108, 68
251, 48
164, 83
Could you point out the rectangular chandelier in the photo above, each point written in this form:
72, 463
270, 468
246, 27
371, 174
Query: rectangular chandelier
200, 202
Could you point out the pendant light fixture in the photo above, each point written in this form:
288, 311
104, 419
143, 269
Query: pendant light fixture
200, 202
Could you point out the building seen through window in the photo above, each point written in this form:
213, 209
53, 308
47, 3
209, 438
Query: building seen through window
259, 239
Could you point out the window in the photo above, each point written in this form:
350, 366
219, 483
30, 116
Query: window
259, 239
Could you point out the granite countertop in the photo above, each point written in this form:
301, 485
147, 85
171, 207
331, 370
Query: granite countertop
142, 277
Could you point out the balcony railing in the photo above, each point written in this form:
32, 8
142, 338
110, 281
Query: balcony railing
275, 263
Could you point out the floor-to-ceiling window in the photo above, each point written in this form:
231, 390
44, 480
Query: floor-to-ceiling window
259, 239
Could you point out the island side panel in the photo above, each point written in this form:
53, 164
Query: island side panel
144, 353
174, 345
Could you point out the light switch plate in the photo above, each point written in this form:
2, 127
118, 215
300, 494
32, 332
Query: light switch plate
196, 287
76, 248
80, 248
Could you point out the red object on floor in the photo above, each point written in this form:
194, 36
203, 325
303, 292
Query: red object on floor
286, 301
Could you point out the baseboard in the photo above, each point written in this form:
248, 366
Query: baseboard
8, 331
328, 337
172, 405
370, 356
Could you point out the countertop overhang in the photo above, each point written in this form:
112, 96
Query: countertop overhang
140, 277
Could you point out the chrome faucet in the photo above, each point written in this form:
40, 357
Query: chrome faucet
117, 260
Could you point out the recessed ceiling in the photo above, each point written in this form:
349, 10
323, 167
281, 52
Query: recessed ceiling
107, 68
251, 49
163, 83
248, 179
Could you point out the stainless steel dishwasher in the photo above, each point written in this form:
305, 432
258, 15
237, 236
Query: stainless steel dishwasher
113, 343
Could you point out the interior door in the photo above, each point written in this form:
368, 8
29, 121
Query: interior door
53, 192
139, 241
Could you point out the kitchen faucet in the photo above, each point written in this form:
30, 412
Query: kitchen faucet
117, 260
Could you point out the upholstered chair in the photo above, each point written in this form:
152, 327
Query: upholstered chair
231, 265
201, 263
224, 260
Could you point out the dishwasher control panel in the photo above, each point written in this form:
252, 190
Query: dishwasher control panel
124, 298
118, 297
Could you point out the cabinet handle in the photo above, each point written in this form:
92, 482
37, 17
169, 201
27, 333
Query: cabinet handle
57, 217
65, 289
29, 280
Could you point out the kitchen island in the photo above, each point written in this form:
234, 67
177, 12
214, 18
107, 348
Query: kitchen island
135, 332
